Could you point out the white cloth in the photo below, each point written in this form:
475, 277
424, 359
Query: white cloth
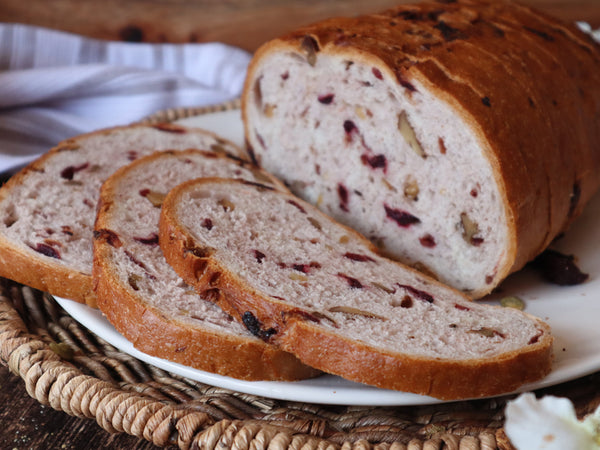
55, 85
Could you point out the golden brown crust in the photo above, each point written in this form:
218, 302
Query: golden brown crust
153, 332
298, 332
481, 57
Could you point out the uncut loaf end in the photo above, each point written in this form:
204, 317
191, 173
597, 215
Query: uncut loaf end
460, 137
298, 279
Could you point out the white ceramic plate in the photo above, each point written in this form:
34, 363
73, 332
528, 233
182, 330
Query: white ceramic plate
572, 312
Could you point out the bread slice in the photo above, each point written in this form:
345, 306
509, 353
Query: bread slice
47, 210
143, 297
298, 279
461, 137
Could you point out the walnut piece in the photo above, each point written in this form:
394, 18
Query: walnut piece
407, 131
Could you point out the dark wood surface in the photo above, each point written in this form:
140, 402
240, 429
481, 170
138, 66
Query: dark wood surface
24, 423
243, 23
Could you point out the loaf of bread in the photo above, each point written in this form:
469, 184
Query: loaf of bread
145, 299
297, 278
460, 137
47, 210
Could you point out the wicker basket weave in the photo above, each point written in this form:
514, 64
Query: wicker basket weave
67, 367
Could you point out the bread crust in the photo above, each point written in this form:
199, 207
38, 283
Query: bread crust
152, 331
26, 266
481, 58
298, 332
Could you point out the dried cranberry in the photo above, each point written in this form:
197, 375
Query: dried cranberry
69, 172
461, 307
375, 161
377, 73
326, 99
421, 295
259, 256
476, 241
352, 282
304, 268
46, 250
358, 257
442, 146
558, 268
349, 127
251, 323
207, 223
407, 302
535, 338
343, 195
144, 192
255, 327
427, 241
402, 218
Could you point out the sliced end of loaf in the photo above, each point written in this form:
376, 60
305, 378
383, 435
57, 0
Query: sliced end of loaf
297, 278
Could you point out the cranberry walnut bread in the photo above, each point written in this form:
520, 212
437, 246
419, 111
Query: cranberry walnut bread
47, 210
143, 297
461, 137
299, 279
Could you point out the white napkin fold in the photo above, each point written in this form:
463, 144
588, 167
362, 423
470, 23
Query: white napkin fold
55, 85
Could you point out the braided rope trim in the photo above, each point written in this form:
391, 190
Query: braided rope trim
70, 369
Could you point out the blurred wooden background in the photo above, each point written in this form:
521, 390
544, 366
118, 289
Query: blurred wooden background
243, 23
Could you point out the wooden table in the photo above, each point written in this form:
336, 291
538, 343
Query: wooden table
24, 423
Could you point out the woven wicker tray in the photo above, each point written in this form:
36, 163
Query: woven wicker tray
67, 367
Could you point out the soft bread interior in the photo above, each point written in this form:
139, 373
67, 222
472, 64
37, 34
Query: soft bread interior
282, 248
399, 165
